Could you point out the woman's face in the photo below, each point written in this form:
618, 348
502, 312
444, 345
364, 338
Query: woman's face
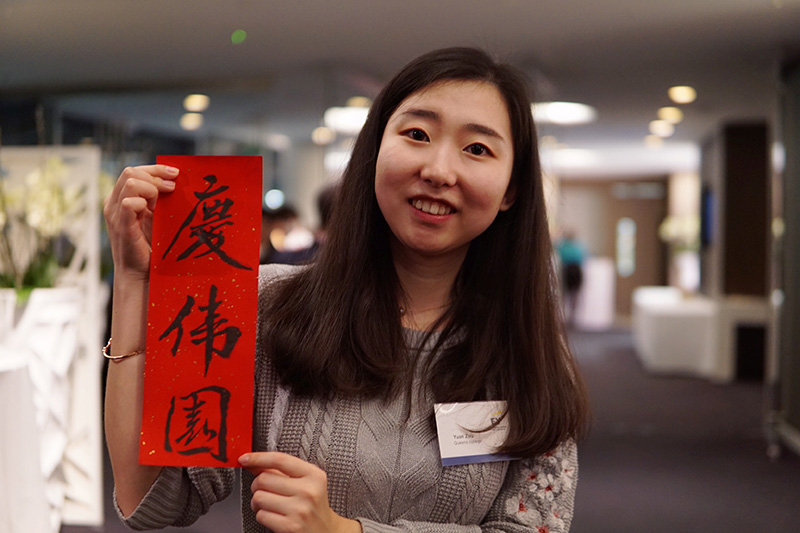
444, 167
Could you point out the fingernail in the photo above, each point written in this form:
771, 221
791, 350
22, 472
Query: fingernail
244, 459
171, 170
169, 184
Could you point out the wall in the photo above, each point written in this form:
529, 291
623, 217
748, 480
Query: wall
735, 180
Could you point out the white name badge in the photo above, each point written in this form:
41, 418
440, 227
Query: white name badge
461, 440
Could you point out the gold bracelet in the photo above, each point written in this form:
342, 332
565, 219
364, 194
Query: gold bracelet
118, 358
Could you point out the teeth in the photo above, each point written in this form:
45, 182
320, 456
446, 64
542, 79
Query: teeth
431, 207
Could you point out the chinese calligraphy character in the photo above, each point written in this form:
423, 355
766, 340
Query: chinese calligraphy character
208, 233
198, 423
178, 324
207, 332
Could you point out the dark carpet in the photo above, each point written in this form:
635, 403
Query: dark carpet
665, 454
669, 454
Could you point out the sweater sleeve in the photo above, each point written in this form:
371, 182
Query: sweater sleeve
179, 496
537, 496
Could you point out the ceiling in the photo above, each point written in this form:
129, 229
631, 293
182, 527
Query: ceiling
134, 60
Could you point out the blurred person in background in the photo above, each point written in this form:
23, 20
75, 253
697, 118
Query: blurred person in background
326, 200
275, 225
436, 284
571, 256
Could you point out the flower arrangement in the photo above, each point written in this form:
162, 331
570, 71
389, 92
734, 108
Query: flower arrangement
33, 214
682, 232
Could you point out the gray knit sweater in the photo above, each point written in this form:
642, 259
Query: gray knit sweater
382, 463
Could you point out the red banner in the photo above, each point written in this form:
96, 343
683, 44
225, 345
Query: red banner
201, 321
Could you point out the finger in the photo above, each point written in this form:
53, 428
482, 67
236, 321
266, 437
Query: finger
138, 188
124, 186
131, 210
281, 513
268, 501
127, 227
161, 176
124, 216
275, 522
144, 188
257, 462
274, 482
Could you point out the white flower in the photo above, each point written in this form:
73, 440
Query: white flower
567, 475
548, 487
34, 211
555, 519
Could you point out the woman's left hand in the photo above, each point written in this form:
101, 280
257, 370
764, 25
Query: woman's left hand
291, 495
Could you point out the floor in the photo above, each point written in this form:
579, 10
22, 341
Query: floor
673, 453
665, 454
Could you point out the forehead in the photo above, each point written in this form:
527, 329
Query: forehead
472, 101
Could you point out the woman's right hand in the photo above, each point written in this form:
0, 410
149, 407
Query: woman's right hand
128, 211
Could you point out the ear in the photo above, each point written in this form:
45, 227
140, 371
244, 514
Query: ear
509, 198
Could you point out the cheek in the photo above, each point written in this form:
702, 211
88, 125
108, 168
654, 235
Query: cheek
383, 187
388, 171
489, 193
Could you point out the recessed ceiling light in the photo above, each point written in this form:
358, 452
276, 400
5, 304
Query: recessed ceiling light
564, 113
191, 121
682, 94
196, 103
358, 101
323, 136
662, 128
673, 115
347, 120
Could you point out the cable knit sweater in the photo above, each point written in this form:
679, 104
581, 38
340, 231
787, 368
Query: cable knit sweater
382, 463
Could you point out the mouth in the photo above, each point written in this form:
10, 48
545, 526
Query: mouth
431, 207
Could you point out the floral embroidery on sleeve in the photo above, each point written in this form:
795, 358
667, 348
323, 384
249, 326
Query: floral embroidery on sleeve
545, 499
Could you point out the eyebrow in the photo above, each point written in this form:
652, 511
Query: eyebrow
470, 126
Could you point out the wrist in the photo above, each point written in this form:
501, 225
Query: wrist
132, 282
346, 525
129, 315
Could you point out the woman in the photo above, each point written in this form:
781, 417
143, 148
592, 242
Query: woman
435, 285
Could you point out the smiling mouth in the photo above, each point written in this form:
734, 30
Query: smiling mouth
432, 208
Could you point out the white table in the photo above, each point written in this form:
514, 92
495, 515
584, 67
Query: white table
674, 334
692, 335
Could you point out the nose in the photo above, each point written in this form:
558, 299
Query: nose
439, 169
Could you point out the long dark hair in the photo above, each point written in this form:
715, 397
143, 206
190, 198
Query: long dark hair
335, 328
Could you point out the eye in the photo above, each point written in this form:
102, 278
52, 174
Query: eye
416, 134
477, 149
